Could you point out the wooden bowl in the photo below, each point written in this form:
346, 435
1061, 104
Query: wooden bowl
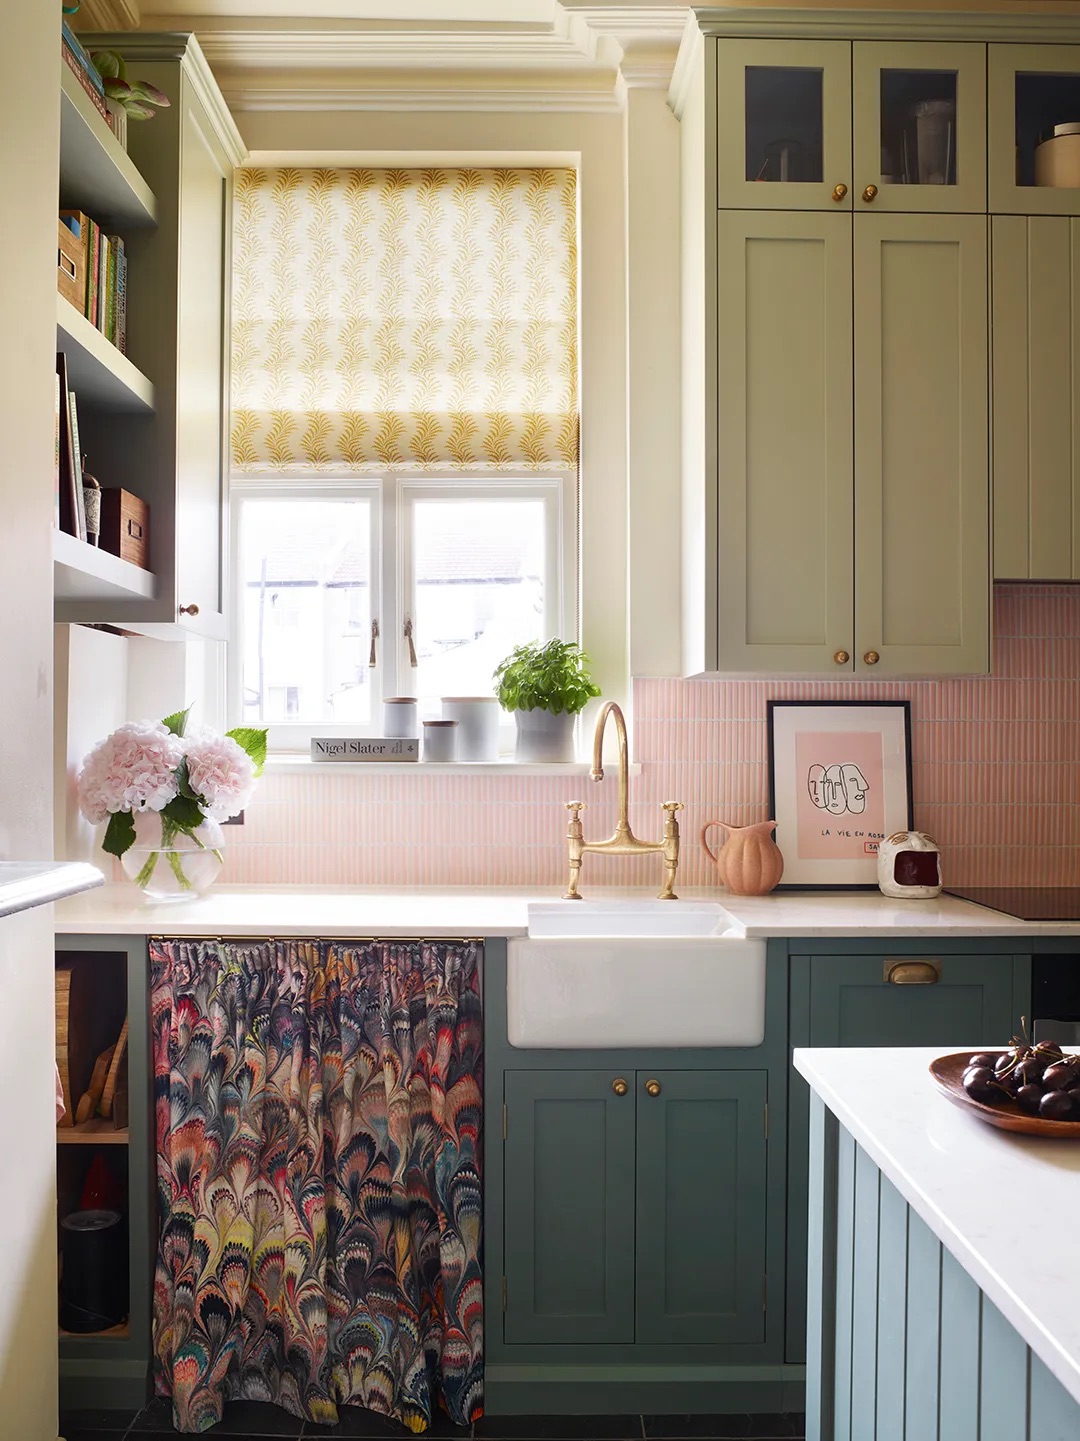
947, 1073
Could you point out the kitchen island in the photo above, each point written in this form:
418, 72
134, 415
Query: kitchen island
944, 1259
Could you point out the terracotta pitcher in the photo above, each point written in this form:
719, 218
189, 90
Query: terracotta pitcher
749, 862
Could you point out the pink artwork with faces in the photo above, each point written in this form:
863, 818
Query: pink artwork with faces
840, 805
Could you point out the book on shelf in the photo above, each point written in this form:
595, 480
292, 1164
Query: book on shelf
350, 748
69, 501
96, 97
121, 296
56, 457
76, 457
82, 55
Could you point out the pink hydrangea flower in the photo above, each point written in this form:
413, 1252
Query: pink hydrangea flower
134, 769
221, 773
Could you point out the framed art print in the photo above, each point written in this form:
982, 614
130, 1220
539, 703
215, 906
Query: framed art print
839, 783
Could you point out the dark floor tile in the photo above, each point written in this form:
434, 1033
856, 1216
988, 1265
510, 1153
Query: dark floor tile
358, 1421
249, 1420
558, 1428
96, 1419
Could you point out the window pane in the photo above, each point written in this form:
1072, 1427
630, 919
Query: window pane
478, 576
918, 127
784, 125
305, 573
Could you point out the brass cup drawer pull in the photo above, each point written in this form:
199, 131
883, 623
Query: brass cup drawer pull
913, 973
619, 1086
652, 1087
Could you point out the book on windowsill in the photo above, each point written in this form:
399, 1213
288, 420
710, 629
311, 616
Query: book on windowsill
350, 748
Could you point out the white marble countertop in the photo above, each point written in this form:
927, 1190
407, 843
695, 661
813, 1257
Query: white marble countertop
119, 909
982, 1192
35, 883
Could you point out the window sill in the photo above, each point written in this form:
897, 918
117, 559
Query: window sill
285, 764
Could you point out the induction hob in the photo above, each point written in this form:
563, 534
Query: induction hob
1026, 903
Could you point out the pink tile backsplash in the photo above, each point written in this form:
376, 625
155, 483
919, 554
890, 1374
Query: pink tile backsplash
996, 775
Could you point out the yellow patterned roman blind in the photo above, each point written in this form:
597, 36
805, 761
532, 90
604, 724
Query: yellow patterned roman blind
415, 319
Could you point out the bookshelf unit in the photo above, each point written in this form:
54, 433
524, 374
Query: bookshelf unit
96, 173
158, 429
97, 372
87, 573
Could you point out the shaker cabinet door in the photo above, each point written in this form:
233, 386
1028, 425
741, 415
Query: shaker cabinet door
783, 115
1035, 290
701, 1168
922, 491
784, 463
1031, 89
569, 1207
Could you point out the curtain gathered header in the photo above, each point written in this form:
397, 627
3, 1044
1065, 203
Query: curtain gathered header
414, 319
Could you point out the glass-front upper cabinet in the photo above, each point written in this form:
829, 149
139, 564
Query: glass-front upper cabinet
919, 126
784, 124
1034, 130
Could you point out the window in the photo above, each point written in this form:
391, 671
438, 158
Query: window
404, 437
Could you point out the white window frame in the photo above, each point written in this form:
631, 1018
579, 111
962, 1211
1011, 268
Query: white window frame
393, 494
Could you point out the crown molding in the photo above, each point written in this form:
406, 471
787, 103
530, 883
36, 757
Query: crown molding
107, 15
1055, 23
417, 92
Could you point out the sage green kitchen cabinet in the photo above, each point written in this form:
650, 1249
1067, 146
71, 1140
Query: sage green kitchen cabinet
783, 124
922, 492
635, 1215
569, 1212
891, 80
906, 997
785, 507
1035, 288
1030, 87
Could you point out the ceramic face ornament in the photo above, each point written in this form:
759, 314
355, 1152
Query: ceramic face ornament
909, 866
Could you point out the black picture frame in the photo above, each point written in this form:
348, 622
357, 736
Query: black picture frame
795, 869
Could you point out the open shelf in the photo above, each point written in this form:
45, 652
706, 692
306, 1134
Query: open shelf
96, 174
95, 1132
85, 572
97, 372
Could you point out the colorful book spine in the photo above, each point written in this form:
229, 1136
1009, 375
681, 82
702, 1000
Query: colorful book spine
121, 297
75, 45
103, 279
110, 291
76, 456
84, 80
93, 245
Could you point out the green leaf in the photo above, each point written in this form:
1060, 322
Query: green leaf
183, 813
177, 722
553, 677
108, 64
119, 834
136, 110
183, 782
118, 90
253, 740
143, 90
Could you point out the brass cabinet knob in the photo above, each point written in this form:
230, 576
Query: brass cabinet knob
869, 193
189, 610
619, 1086
841, 657
652, 1087
871, 657
838, 192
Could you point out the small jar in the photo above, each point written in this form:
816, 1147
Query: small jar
478, 726
440, 740
399, 718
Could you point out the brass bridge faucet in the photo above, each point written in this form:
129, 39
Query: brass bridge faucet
622, 842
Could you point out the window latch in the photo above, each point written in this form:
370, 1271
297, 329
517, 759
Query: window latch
409, 638
374, 638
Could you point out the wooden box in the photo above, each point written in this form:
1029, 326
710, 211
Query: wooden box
125, 526
71, 260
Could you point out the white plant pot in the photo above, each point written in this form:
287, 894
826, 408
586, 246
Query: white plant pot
543, 736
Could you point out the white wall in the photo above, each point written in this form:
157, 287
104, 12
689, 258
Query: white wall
29, 143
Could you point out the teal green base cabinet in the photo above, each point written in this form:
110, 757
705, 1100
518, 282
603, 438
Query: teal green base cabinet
634, 1223
844, 994
902, 1344
112, 1370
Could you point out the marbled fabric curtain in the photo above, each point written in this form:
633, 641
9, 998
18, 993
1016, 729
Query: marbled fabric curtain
405, 319
318, 1123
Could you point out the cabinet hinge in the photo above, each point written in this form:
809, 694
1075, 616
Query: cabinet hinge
504, 1292
766, 1120
504, 1120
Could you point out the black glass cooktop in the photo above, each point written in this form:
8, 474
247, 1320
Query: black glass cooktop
1027, 903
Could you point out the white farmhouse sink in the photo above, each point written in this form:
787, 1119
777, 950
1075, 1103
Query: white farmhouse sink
606, 974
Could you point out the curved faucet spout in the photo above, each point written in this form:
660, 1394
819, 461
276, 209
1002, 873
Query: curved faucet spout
613, 708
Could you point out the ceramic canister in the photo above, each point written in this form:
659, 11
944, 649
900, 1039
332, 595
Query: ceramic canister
399, 718
478, 726
440, 740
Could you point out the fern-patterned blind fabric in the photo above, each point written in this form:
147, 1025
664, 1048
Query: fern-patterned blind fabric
407, 319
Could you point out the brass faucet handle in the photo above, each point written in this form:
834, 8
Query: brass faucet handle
674, 806
577, 807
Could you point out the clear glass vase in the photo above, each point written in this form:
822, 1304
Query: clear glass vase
170, 865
